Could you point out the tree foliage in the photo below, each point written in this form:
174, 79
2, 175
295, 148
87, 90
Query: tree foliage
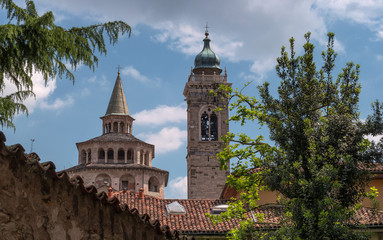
31, 43
319, 155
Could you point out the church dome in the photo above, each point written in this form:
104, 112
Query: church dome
207, 59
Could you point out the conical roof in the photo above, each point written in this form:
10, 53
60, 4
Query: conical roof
117, 103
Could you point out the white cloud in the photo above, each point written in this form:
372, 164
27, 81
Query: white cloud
251, 78
85, 92
379, 57
250, 30
42, 91
92, 79
70, 68
367, 12
162, 114
130, 71
375, 139
177, 188
58, 103
261, 67
239, 30
102, 81
167, 140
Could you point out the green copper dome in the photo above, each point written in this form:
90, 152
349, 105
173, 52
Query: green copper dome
207, 59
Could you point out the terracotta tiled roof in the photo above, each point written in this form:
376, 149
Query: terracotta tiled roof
370, 217
195, 219
377, 168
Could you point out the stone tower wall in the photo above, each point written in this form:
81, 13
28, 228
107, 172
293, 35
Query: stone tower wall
205, 179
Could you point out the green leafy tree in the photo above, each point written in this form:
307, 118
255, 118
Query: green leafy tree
31, 43
319, 155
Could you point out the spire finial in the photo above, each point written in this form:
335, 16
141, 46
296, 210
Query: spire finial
206, 30
118, 69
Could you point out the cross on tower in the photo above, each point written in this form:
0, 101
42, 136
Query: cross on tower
206, 31
118, 69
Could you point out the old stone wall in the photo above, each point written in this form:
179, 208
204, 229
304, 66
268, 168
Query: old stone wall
36, 203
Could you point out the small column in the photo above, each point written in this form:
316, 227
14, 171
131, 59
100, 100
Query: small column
115, 155
126, 156
106, 156
138, 154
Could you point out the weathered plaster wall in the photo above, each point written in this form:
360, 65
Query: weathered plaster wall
36, 203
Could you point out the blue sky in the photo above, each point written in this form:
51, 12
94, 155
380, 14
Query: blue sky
156, 61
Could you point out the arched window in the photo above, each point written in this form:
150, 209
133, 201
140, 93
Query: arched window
83, 157
115, 127
209, 126
127, 182
147, 158
154, 185
130, 156
142, 157
89, 156
122, 127
102, 180
106, 128
121, 156
110, 155
213, 127
101, 155
109, 127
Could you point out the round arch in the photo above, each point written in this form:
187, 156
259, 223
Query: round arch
130, 155
154, 184
121, 155
101, 155
83, 157
127, 182
102, 180
110, 155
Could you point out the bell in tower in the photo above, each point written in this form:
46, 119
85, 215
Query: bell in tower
205, 125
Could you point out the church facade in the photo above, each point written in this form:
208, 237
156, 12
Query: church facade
117, 159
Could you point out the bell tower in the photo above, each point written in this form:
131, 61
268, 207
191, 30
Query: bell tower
205, 125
